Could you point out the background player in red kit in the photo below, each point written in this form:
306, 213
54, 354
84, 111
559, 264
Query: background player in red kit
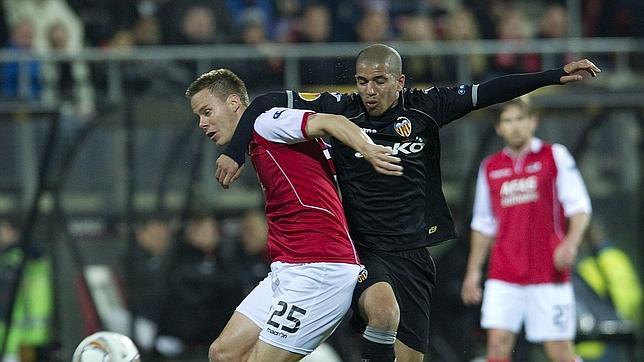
393, 219
531, 208
314, 264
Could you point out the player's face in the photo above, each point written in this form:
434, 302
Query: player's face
217, 118
516, 127
378, 88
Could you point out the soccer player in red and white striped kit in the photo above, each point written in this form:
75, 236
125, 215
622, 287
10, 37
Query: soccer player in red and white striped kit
530, 212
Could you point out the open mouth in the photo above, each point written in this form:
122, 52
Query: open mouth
211, 134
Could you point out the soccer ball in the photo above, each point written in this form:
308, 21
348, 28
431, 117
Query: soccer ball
106, 347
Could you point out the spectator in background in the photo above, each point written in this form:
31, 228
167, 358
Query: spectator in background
262, 73
196, 22
462, 26
203, 290
419, 69
15, 83
238, 10
513, 27
145, 286
57, 28
553, 24
609, 272
315, 27
102, 19
68, 80
531, 209
44, 13
253, 260
374, 25
286, 20
143, 78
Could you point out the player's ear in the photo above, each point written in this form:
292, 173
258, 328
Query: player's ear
401, 83
233, 101
534, 123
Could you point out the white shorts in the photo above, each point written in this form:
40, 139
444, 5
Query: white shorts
548, 310
298, 306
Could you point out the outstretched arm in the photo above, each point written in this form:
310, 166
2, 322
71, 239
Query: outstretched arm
511, 86
345, 131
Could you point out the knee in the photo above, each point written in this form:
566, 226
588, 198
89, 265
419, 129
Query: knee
383, 316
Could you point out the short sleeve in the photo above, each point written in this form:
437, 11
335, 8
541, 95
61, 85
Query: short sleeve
571, 190
283, 125
483, 219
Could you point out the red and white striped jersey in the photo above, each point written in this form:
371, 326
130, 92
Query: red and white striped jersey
306, 222
524, 201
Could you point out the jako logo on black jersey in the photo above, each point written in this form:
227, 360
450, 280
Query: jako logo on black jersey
405, 148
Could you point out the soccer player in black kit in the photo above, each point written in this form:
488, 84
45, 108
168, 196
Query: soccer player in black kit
393, 219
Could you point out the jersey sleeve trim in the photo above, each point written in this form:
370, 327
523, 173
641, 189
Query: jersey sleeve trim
289, 97
305, 121
475, 94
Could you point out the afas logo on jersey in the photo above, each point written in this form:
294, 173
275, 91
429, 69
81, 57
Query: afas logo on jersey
309, 96
403, 126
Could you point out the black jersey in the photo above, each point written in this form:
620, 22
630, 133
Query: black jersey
401, 212
395, 212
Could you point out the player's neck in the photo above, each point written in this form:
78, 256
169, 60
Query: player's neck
518, 150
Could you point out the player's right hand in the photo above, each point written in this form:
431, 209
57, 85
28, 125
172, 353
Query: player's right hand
471, 292
574, 70
382, 160
227, 170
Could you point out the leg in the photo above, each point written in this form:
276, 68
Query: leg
264, 352
499, 344
559, 351
405, 353
502, 313
378, 307
552, 320
236, 340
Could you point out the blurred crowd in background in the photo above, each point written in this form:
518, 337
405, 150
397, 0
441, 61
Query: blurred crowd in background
69, 25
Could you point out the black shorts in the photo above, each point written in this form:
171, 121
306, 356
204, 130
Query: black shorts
412, 275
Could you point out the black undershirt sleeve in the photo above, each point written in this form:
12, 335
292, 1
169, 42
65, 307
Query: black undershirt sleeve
508, 87
238, 145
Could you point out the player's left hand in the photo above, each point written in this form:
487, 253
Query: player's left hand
227, 170
564, 255
574, 70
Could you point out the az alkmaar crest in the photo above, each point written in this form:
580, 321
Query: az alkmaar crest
403, 126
